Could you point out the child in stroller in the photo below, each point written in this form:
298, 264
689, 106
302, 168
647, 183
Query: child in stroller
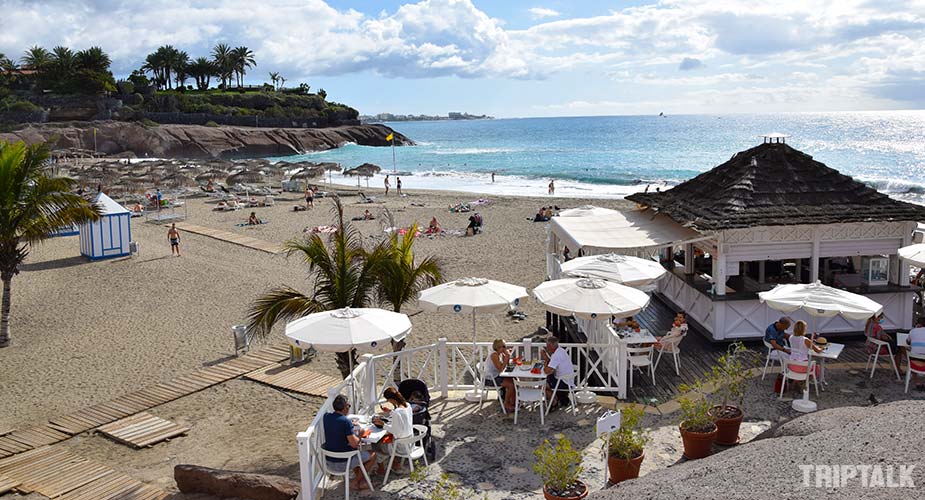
416, 393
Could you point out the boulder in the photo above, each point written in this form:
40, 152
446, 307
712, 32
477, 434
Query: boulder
231, 484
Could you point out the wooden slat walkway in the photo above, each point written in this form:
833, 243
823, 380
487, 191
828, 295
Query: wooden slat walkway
296, 379
142, 429
63, 427
54, 471
7, 484
115, 486
236, 238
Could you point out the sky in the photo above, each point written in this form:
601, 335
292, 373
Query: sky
526, 58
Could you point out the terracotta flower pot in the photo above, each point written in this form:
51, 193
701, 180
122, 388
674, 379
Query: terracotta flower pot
697, 444
583, 488
727, 428
621, 470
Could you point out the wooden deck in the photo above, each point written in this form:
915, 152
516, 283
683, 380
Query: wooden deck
142, 430
235, 238
296, 379
63, 427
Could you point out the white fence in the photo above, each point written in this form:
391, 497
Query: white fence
444, 367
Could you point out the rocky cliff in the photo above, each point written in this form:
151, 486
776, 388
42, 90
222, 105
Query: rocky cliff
195, 141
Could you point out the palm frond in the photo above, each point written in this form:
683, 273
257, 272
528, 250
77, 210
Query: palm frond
279, 304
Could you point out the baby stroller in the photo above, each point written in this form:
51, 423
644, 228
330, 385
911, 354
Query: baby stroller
416, 393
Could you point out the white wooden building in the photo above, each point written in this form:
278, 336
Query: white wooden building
769, 215
110, 235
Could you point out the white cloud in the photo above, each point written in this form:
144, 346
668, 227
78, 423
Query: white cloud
543, 12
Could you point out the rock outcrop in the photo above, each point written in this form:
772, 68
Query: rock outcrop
195, 141
229, 484
884, 437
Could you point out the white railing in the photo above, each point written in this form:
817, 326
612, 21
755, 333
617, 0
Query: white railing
444, 367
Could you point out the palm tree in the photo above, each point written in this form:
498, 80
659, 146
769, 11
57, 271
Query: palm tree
180, 65
242, 58
344, 273
274, 77
94, 59
221, 56
63, 62
36, 58
202, 71
154, 64
400, 279
32, 207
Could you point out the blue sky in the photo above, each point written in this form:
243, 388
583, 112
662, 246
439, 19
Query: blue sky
527, 58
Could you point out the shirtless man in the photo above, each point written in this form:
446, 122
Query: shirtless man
173, 236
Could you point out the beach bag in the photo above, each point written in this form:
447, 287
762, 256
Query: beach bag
778, 382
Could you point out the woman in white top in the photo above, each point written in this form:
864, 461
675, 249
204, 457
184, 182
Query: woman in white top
400, 425
800, 345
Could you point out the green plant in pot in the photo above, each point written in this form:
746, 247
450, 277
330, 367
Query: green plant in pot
729, 375
625, 451
559, 466
698, 431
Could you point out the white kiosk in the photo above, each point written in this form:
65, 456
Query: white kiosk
110, 235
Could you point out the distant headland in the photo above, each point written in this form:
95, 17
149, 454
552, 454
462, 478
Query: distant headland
452, 115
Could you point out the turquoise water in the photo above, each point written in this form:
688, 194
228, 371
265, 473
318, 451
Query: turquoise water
612, 156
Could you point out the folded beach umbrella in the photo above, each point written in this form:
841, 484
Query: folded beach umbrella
622, 269
590, 298
915, 254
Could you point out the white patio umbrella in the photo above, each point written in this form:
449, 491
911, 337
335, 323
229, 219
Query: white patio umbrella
822, 301
622, 269
586, 210
915, 254
472, 295
342, 330
590, 298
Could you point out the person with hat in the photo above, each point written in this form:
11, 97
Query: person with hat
339, 437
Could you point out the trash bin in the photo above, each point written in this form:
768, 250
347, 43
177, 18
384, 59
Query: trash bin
133, 247
240, 338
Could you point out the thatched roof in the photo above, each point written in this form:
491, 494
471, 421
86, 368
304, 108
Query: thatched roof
781, 187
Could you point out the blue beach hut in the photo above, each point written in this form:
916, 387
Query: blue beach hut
110, 235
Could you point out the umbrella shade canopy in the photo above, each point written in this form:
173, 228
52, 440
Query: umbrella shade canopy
623, 269
364, 170
178, 180
472, 295
308, 172
244, 176
211, 175
915, 254
344, 329
820, 300
330, 166
589, 298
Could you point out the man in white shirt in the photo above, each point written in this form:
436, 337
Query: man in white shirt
557, 364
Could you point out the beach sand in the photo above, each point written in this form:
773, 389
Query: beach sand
84, 332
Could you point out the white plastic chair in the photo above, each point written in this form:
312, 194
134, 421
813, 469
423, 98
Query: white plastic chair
671, 345
569, 382
909, 370
875, 356
488, 384
347, 455
773, 355
800, 377
410, 448
533, 392
641, 357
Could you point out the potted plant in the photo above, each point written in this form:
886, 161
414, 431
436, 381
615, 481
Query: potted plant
559, 466
625, 451
697, 427
729, 377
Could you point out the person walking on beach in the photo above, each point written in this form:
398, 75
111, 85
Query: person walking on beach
159, 196
387, 185
398, 185
552, 187
173, 236
492, 177
309, 197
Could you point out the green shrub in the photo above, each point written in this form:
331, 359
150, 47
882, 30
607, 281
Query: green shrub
628, 442
147, 122
24, 107
211, 123
558, 466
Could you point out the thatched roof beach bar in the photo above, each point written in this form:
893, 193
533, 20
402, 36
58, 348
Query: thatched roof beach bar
773, 215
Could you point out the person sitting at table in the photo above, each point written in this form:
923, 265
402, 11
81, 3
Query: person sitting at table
917, 346
873, 329
339, 437
497, 362
627, 322
678, 328
800, 346
557, 364
776, 335
399, 426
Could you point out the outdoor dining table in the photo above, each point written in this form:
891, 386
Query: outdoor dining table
832, 351
631, 337
902, 339
523, 372
365, 423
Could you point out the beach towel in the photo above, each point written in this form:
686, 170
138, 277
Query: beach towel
481, 201
260, 223
460, 208
320, 229
360, 217
413, 204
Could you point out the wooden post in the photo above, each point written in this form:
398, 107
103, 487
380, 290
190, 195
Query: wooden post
444, 380
689, 258
814, 259
719, 268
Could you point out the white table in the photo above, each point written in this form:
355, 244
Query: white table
523, 372
363, 422
630, 338
902, 340
833, 350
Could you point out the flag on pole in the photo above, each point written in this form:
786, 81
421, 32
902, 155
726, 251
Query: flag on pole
390, 136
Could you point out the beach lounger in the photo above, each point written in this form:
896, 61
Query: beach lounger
367, 199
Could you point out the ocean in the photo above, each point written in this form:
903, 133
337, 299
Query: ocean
612, 156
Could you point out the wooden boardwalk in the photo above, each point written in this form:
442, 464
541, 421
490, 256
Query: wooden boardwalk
236, 238
296, 379
142, 430
63, 427
57, 473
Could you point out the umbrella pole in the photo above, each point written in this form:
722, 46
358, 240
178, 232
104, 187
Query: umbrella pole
804, 405
353, 397
475, 394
